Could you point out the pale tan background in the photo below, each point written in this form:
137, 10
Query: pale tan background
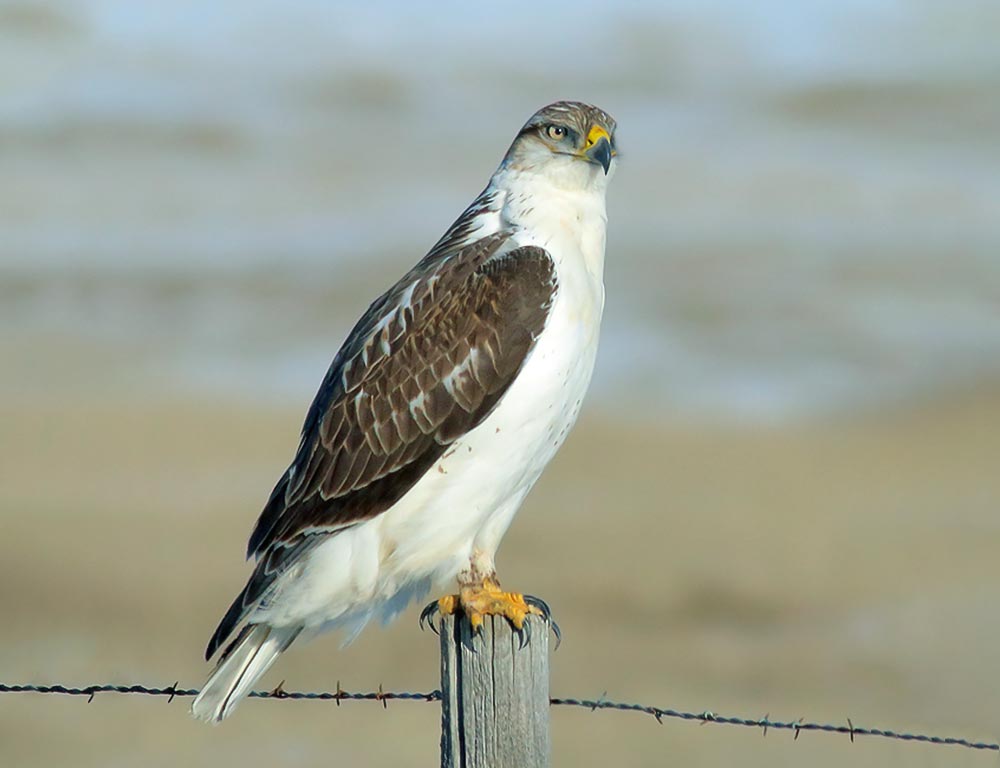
783, 495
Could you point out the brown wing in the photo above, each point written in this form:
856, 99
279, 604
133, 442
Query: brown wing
427, 363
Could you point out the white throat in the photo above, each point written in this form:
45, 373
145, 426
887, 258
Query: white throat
568, 220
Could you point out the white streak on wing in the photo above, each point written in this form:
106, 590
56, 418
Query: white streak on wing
358, 398
418, 410
383, 322
463, 369
316, 530
486, 223
417, 403
405, 299
346, 372
432, 282
449, 382
396, 416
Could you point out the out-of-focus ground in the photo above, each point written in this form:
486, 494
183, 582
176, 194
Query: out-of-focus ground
830, 571
782, 497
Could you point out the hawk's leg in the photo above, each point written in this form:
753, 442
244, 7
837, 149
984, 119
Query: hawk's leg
483, 597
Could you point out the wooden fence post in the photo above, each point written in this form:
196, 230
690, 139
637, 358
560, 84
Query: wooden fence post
494, 695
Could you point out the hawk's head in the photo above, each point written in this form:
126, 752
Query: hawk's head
567, 138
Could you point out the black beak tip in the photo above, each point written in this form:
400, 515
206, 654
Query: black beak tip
600, 153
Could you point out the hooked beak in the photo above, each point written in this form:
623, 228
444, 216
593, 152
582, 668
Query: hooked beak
601, 153
599, 149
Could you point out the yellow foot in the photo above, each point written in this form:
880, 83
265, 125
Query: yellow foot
477, 601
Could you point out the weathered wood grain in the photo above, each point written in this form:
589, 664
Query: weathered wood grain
495, 695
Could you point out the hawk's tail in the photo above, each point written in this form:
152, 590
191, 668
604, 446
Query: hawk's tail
240, 666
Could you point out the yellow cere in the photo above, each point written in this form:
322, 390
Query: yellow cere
596, 134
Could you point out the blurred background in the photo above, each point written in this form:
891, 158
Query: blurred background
782, 496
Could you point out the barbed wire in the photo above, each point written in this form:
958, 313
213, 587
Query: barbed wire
172, 692
384, 697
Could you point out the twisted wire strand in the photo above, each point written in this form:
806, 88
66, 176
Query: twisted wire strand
384, 697
173, 692
765, 723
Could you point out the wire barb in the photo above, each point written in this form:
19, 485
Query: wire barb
796, 726
599, 701
279, 691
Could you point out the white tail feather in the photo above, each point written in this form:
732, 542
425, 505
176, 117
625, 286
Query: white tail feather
239, 669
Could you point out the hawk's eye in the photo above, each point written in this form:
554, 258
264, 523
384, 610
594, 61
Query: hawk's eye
556, 132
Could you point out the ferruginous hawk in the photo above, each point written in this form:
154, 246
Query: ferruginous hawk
438, 414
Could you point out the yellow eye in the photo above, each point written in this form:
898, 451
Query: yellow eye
556, 132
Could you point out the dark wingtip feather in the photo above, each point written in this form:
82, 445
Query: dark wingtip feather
227, 625
269, 517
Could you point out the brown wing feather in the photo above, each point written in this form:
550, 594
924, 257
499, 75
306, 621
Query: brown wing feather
426, 383
413, 377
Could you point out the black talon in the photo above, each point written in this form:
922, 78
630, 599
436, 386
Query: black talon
427, 617
543, 607
523, 634
557, 632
